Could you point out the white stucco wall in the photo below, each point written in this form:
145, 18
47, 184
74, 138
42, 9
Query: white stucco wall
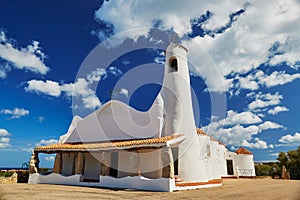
244, 165
117, 121
176, 94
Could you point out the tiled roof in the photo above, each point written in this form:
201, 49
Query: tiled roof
242, 150
107, 145
200, 132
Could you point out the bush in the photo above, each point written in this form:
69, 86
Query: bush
5, 174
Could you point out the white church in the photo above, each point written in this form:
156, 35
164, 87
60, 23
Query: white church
161, 149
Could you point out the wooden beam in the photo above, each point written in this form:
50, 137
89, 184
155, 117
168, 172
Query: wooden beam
57, 168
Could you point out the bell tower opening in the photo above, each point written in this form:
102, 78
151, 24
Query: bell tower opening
173, 64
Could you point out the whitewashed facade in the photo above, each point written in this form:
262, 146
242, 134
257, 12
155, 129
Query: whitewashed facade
160, 149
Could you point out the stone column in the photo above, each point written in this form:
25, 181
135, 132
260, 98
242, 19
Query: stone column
34, 163
105, 163
167, 161
79, 163
57, 163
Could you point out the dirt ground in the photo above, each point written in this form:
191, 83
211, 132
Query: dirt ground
267, 189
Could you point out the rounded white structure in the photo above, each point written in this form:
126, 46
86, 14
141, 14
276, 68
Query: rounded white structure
176, 92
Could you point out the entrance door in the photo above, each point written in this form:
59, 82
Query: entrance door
229, 167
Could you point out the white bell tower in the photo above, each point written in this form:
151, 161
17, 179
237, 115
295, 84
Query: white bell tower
179, 116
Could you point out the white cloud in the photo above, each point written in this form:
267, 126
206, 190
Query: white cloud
16, 113
240, 48
121, 91
96, 75
257, 144
44, 142
265, 100
49, 158
4, 140
233, 130
29, 58
269, 125
290, 139
4, 69
4, 132
278, 78
241, 118
277, 109
81, 89
48, 87
41, 118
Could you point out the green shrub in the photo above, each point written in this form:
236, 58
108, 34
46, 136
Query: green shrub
5, 174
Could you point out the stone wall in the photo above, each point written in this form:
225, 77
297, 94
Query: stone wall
9, 180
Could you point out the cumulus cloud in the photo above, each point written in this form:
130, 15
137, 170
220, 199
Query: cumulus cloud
44, 142
240, 128
290, 139
4, 132
265, 100
277, 110
121, 91
269, 125
29, 58
277, 78
4, 140
256, 144
231, 43
48, 87
16, 113
50, 158
82, 88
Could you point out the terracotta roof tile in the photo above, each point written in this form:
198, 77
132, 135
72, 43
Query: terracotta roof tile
105, 145
200, 132
242, 150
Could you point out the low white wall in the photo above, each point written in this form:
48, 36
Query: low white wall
139, 182
136, 182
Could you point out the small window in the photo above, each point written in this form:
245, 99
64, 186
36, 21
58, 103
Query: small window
173, 65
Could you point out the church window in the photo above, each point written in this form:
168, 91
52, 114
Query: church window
173, 65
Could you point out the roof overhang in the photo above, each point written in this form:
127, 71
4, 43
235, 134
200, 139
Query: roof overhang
167, 141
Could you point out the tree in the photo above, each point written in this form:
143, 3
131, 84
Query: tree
291, 160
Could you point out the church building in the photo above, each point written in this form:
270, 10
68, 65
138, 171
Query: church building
161, 149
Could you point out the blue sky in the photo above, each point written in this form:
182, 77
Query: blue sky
243, 58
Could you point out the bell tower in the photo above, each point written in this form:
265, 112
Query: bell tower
178, 113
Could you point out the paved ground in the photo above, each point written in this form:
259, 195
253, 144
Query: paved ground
242, 189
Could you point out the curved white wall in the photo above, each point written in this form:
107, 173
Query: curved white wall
117, 121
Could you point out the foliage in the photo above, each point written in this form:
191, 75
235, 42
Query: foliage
267, 169
5, 174
291, 160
